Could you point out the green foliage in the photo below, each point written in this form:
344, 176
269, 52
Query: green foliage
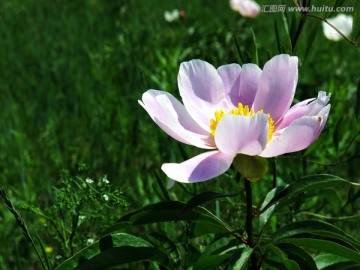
71, 75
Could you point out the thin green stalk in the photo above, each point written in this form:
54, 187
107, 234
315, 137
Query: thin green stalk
274, 171
249, 225
298, 32
21, 223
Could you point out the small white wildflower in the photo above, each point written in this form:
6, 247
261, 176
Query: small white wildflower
171, 16
90, 241
89, 181
105, 180
82, 217
58, 257
106, 197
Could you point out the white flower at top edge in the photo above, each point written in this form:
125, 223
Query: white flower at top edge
341, 22
106, 197
247, 8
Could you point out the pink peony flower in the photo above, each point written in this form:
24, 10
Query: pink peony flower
247, 8
235, 110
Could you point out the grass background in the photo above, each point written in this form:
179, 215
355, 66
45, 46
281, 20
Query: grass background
71, 73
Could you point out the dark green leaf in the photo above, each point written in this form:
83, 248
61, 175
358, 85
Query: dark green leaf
211, 262
281, 256
356, 22
240, 258
310, 41
308, 183
315, 227
202, 198
241, 56
255, 54
300, 256
277, 35
163, 243
338, 3
266, 215
325, 246
357, 107
115, 249
324, 260
169, 211
163, 189
337, 133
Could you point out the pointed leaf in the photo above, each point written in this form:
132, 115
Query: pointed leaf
240, 258
288, 263
325, 246
308, 183
314, 227
115, 249
324, 260
266, 215
211, 262
356, 22
169, 211
357, 107
300, 256
202, 198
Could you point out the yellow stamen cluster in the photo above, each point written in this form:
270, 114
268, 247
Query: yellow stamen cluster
243, 111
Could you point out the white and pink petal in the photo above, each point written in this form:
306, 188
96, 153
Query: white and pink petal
172, 117
237, 134
199, 168
277, 86
298, 136
309, 107
202, 91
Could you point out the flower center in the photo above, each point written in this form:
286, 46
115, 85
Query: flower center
243, 111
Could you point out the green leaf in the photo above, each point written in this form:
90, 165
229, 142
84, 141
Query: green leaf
115, 249
281, 256
300, 256
308, 183
240, 258
202, 198
266, 215
163, 189
357, 107
356, 22
310, 41
169, 211
324, 260
167, 246
337, 133
241, 55
211, 262
255, 54
314, 227
277, 35
325, 246
338, 3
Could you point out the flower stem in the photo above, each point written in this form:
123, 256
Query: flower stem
249, 225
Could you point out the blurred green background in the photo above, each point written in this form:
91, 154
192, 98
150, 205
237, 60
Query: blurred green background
71, 73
